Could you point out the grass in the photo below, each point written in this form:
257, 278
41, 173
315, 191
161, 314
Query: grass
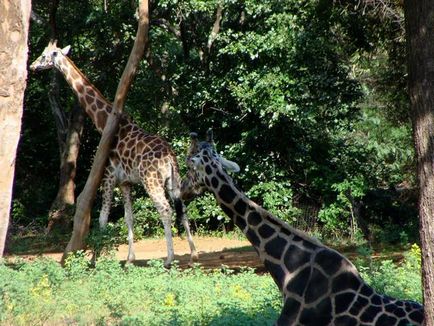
43, 293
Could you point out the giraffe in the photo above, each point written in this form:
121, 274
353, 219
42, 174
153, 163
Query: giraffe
319, 285
136, 156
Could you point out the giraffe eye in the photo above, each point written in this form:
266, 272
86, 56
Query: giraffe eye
55, 54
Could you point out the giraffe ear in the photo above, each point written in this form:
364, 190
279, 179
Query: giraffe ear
210, 136
229, 165
194, 144
66, 49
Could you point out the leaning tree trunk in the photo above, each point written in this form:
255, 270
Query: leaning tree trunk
14, 29
86, 198
419, 17
68, 137
62, 208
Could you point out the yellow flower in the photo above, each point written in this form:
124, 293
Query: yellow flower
170, 300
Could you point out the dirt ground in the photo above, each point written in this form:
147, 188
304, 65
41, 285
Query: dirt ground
213, 252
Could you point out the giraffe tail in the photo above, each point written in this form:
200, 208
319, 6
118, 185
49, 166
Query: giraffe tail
174, 190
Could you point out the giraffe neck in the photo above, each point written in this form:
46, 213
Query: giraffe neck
270, 236
94, 103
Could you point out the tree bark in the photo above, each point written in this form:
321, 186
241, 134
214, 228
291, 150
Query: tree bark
419, 19
87, 196
62, 208
13, 73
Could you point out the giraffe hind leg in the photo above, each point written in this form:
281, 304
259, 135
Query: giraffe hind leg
126, 193
157, 194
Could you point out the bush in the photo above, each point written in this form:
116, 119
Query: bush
401, 281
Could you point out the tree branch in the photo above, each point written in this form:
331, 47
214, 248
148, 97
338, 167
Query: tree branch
216, 27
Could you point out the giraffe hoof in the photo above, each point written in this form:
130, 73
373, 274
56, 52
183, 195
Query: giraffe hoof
194, 257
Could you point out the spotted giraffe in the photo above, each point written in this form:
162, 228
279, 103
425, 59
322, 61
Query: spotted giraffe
319, 285
136, 156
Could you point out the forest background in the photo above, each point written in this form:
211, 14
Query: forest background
308, 97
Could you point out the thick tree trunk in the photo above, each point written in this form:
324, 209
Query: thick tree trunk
14, 29
87, 196
62, 209
419, 16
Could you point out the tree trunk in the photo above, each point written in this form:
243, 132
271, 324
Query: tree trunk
87, 196
62, 208
419, 17
13, 73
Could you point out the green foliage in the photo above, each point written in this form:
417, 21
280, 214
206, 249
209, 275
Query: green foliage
42, 292
276, 198
336, 217
399, 281
204, 213
306, 94
103, 241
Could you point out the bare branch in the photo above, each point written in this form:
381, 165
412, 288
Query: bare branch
216, 27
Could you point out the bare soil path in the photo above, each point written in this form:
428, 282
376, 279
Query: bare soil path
213, 252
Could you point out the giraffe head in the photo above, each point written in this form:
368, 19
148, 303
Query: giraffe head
49, 57
203, 162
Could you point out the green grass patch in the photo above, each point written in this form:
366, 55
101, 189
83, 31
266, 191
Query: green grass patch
43, 293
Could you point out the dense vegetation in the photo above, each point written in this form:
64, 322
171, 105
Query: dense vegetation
308, 97
44, 293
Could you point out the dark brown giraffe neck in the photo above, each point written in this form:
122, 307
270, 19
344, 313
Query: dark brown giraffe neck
319, 285
270, 236
93, 102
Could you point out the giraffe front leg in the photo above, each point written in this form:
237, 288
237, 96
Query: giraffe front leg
180, 209
126, 192
108, 185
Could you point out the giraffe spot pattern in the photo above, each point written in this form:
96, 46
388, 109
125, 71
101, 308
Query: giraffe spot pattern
318, 315
345, 321
266, 231
276, 272
345, 281
295, 257
317, 287
240, 222
289, 312
298, 283
386, 320
221, 176
370, 313
214, 182
330, 261
253, 237
240, 207
254, 218
358, 306
275, 247
227, 210
226, 194
343, 301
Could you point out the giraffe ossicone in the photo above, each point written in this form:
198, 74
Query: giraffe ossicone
319, 285
136, 156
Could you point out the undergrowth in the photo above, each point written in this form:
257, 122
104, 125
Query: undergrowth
43, 293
